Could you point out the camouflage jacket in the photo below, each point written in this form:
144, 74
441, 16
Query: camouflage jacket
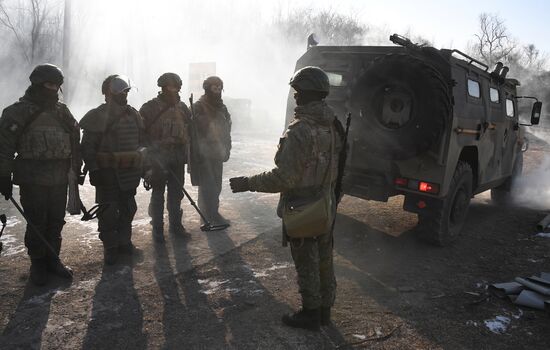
303, 156
112, 129
47, 163
213, 128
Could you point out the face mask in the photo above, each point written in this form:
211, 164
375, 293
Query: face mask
121, 99
170, 97
304, 97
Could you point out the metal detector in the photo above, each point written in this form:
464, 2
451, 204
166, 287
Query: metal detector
93, 212
35, 229
208, 226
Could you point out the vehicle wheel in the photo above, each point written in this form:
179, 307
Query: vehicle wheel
501, 195
443, 224
404, 103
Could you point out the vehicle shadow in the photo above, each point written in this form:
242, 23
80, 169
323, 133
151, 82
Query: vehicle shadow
415, 284
116, 320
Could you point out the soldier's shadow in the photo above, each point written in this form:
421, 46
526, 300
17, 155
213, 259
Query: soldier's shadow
117, 317
26, 326
188, 321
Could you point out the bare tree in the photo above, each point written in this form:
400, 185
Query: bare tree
493, 42
36, 28
532, 59
332, 28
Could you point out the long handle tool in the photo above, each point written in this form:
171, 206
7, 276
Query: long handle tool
208, 226
35, 229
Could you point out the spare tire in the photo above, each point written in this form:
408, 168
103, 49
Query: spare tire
404, 103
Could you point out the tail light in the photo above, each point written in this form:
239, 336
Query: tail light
417, 185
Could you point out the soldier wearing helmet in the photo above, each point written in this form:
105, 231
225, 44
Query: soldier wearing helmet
167, 123
45, 136
213, 128
112, 149
306, 165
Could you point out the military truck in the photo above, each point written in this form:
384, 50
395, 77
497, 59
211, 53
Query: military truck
434, 125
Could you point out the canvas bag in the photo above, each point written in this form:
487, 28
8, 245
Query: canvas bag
312, 216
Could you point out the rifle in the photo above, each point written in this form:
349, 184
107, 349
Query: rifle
342, 162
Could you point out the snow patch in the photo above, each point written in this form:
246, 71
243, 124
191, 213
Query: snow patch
498, 325
264, 272
471, 323
211, 287
12, 246
543, 234
360, 336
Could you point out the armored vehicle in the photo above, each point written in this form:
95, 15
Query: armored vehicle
434, 125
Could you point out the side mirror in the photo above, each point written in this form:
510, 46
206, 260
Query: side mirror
535, 113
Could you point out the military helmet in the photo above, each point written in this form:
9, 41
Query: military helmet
115, 84
169, 79
213, 80
310, 78
46, 73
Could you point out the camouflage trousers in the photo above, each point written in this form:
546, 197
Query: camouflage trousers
170, 179
44, 206
210, 187
314, 265
115, 218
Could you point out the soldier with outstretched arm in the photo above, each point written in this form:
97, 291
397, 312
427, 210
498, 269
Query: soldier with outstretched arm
306, 165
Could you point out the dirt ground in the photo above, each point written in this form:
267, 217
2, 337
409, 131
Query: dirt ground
228, 289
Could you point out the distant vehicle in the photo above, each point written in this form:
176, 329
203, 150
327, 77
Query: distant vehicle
433, 125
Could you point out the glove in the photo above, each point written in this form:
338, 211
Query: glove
6, 186
239, 184
103, 177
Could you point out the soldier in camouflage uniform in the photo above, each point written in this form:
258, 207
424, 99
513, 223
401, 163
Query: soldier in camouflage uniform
302, 160
111, 148
213, 128
45, 137
167, 122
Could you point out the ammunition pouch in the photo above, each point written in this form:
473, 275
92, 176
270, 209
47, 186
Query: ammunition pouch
119, 160
45, 143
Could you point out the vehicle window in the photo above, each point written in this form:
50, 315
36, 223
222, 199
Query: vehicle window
473, 88
495, 95
510, 108
336, 79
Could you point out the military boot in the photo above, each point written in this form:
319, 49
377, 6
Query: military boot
128, 249
305, 318
110, 255
325, 316
39, 272
56, 267
176, 227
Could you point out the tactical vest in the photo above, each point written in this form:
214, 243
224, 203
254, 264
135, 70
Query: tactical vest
45, 139
128, 142
170, 127
319, 161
